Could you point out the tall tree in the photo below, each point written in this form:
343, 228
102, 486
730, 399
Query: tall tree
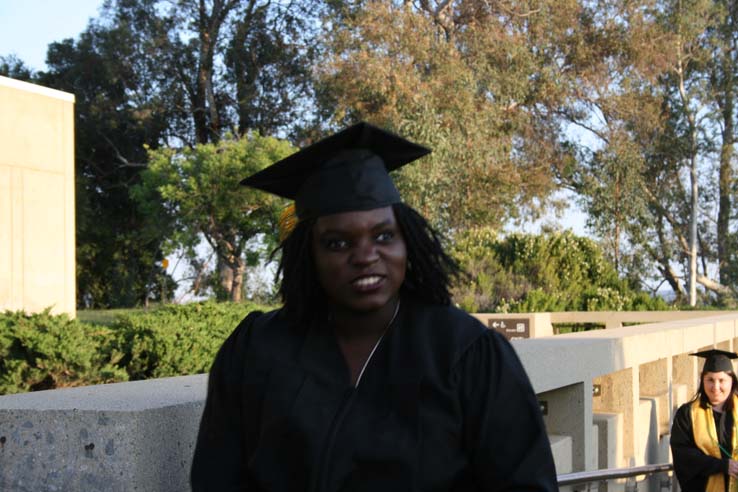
469, 79
13, 67
686, 20
722, 66
117, 112
197, 190
268, 65
645, 102
231, 65
153, 72
235, 65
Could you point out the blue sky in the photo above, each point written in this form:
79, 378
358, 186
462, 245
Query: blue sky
28, 26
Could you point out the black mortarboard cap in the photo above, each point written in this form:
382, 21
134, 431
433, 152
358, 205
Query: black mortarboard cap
344, 172
717, 360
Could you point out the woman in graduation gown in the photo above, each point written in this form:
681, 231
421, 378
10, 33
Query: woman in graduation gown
367, 379
703, 435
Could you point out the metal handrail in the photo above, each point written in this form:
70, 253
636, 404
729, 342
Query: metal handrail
611, 473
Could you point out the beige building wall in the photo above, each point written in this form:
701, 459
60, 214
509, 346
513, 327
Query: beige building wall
37, 242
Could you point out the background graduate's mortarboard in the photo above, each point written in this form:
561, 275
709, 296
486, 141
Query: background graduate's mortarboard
717, 360
344, 172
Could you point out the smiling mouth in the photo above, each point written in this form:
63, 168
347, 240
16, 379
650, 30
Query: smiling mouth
367, 282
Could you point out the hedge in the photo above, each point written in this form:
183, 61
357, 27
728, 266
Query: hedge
176, 340
523, 273
41, 351
44, 351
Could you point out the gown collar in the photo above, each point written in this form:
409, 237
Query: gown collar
396, 359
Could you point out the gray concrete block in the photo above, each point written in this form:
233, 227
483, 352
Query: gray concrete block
593, 458
561, 448
610, 432
136, 436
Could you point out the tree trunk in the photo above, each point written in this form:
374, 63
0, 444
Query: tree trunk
617, 226
694, 187
725, 185
204, 90
663, 259
244, 67
237, 283
225, 278
710, 284
199, 107
672, 279
205, 111
693, 232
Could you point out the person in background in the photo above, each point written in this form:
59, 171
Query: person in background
703, 435
367, 378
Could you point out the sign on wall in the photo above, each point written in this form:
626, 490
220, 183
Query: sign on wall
511, 328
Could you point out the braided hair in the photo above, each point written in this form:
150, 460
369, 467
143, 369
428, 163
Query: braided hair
428, 276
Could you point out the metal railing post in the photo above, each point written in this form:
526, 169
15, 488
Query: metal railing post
631, 485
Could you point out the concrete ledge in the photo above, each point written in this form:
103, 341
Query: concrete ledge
136, 436
139, 436
615, 319
36, 89
560, 360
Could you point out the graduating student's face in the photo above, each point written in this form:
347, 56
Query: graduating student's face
360, 258
717, 386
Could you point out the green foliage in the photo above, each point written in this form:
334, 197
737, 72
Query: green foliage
13, 67
221, 64
197, 191
540, 273
656, 95
469, 86
116, 114
149, 72
199, 188
106, 317
176, 339
42, 351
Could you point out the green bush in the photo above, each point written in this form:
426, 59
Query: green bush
540, 273
41, 351
176, 339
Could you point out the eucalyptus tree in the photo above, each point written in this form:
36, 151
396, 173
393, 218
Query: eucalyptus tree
657, 111
471, 79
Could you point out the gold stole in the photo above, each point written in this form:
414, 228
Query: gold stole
706, 439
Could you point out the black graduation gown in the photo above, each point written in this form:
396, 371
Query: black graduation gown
443, 405
691, 465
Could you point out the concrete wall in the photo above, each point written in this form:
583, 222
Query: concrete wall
136, 436
37, 262
639, 375
140, 435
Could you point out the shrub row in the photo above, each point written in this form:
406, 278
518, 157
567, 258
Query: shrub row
541, 273
43, 351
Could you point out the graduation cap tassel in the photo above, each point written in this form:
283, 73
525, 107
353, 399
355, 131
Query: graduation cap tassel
287, 221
